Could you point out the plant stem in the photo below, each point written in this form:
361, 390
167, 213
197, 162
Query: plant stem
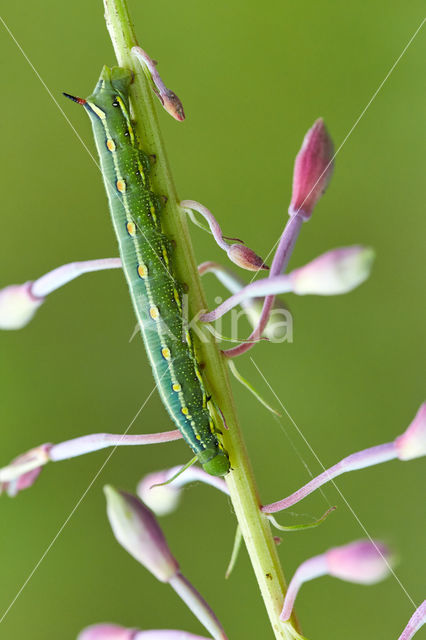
254, 525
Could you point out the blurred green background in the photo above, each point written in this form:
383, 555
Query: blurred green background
253, 79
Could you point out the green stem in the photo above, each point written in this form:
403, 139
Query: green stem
254, 525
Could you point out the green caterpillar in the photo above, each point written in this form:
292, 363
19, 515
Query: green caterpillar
147, 259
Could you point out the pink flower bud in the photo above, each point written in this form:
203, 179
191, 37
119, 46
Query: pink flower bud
24, 470
313, 169
114, 632
136, 529
363, 561
165, 499
333, 273
245, 258
412, 443
107, 632
17, 306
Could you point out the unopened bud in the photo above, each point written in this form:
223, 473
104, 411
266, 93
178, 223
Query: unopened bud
363, 562
24, 470
163, 496
313, 169
245, 258
17, 306
114, 632
107, 632
136, 529
333, 273
412, 443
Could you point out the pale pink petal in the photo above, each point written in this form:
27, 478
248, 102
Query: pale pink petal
412, 443
363, 561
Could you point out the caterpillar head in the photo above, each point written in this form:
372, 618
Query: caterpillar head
217, 462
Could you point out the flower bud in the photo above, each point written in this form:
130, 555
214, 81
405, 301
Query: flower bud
164, 499
107, 632
412, 443
114, 632
136, 529
17, 306
333, 273
363, 562
313, 169
245, 258
24, 470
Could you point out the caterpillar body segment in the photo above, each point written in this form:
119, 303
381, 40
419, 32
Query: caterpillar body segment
148, 265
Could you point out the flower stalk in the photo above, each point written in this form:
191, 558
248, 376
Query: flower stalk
416, 622
361, 562
24, 470
411, 444
241, 484
137, 530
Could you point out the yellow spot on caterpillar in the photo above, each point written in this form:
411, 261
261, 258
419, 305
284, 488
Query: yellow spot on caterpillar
176, 387
154, 313
142, 172
198, 436
177, 299
131, 228
198, 374
95, 109
125, 113
185, 411
111, 145
188, 340
121, 186
142, 273
165, 352
165, 256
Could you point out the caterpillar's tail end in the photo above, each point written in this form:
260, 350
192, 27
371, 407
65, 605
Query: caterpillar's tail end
74, 98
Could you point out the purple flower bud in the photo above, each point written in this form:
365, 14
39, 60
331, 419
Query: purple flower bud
136, 529
363, 562
24, 470
17, 306
313, 169
114, 632
168, 98
164, 499
412, 443
333, 273
246, 258
107, 632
